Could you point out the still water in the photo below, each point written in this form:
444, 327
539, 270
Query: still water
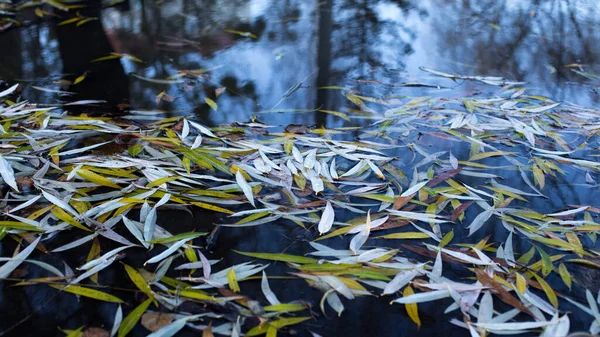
274, 55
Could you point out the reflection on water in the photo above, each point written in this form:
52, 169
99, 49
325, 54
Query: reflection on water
369, 46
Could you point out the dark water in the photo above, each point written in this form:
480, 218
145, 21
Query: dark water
370, 46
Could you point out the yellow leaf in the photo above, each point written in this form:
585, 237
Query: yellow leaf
547, 289
79, 79
161, 181
271, 331
76, 332
483, 155
66, 217
411, 308
521, 283
208, 331
87, 292
564, 274
68, 21
446, 239
212, 104
405, 235
538, 176
93, 254
232, 280
211, 207
196, 294
139, 281
96, 178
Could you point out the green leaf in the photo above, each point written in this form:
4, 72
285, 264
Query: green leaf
285, 307
178, 237
405, 235
279, 257
546, 262
564, 274
87, 292
133, 317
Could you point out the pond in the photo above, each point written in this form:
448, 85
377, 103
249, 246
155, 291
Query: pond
495, 99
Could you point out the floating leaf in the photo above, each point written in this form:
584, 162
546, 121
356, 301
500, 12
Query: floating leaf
87, 292
133, 318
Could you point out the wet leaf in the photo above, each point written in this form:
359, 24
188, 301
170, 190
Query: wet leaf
154, 321
133, 318
327, 219
279, 257
88, 292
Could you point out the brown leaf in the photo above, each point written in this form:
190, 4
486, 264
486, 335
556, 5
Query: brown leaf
460, 209
219, 91
317, 203
390, 224
30, 238
208, 331
500, 292
24, 184
19, 273
443, 176
153, 321
95, 332
297, 128
401, 201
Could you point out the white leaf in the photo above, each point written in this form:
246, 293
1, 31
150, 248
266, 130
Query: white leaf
245, 187
326, 219
103, 258
509, 254
8, 174
185, 130
486, 308
311, 159
167, 252
480, 220
512, 326
25, 204
423, 297
197, 142
334, 302
436, 271
173, 328
202, 129
206, 269
453, 161
9, 90
338, 285
270, 296
117, 321
59, 203
75, 243
414, 189
316, 182
569, 212
94, 270
150, 225
359, 239
332, 170
134, 229
11, 265
399, 281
